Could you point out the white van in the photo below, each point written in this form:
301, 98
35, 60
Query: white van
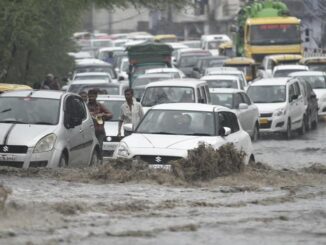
212, 42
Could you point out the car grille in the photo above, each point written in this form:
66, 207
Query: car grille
266, 114
12, 164
107, 153
13, 148
266, 125
157, 159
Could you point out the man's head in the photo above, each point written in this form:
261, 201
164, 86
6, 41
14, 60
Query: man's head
49, 77
92, 95
129, 93
83, 95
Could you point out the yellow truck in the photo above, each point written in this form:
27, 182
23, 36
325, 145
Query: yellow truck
265, 28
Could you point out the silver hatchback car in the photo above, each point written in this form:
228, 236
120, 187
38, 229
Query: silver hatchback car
46, 129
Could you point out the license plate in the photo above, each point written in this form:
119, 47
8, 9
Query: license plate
160, 166
109, 147
7, 158
263, 120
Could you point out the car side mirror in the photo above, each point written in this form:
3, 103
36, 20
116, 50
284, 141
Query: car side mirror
224, 131
243, 106
294, 97
121, 79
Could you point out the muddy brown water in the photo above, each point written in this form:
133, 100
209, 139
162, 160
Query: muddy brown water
279, 203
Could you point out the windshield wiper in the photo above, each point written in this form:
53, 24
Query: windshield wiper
45, 123
198, 134
12, 121
6, 110
161, 132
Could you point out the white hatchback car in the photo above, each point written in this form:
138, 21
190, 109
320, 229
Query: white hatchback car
317, 80
46, 129
223, 81
239, 102
286, 70
280, 103
168, 131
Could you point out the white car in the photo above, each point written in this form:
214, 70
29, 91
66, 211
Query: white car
281, 105
317, 80
113, 104
240, 103
229, 71
212, 42
175, 73
168, 131
286, 70
175, 91
102, 86
46, 128
223, 81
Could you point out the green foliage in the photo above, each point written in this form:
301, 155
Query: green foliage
36, 34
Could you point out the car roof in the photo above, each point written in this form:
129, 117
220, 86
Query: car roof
93, 61
222, 69
161, 70
181, 82
111, 49
154, 75
217, 77
308, 73
111, 97
50, 94
90, 81
271, 81
193, 50
225, 90
193, 107
287, 67
84, 74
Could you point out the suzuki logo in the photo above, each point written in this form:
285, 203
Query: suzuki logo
5, 149
158, 159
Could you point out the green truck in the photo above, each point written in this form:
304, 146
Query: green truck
147, 56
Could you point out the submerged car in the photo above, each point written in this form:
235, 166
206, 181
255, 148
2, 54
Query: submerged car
46, 129
168, 131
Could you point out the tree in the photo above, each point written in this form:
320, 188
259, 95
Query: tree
36, 34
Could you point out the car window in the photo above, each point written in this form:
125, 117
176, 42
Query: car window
237, 100
80, 107
203, 92
297, 89
228, 119
291, 92
73, 109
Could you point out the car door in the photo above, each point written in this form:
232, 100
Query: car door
251, 114
74, 136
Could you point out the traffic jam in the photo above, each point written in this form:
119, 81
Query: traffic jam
157, 140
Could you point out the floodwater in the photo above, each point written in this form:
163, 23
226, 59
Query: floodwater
281, 204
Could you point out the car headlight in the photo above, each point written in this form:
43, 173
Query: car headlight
122, 150
280, 112
45, 144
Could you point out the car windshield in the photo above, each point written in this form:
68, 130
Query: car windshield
317, 67
221, 83
102, 89
267, 94
160, 95
316, 82
190, 60
177, 122
223, 99
246, 69
275, 34
140, 81
284, 73
139, 92
107, 69
92, 77
28, 110
113, 106
102, 43
215, 44
140, 69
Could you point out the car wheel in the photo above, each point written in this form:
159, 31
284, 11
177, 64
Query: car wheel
95, 160
302, 130
288, 133
63, 162
255, 134
308, 123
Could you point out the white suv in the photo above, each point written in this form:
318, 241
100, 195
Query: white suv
280, 103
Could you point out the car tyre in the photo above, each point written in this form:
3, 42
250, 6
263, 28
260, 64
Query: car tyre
255, 134
288, 133
63, 162
314, 123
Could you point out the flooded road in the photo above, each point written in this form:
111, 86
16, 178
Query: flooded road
284, 204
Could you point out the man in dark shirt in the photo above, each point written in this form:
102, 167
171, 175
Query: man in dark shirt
99, 114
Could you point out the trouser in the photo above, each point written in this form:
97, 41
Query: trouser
100, 137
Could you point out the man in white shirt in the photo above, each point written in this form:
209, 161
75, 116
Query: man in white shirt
131, 111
